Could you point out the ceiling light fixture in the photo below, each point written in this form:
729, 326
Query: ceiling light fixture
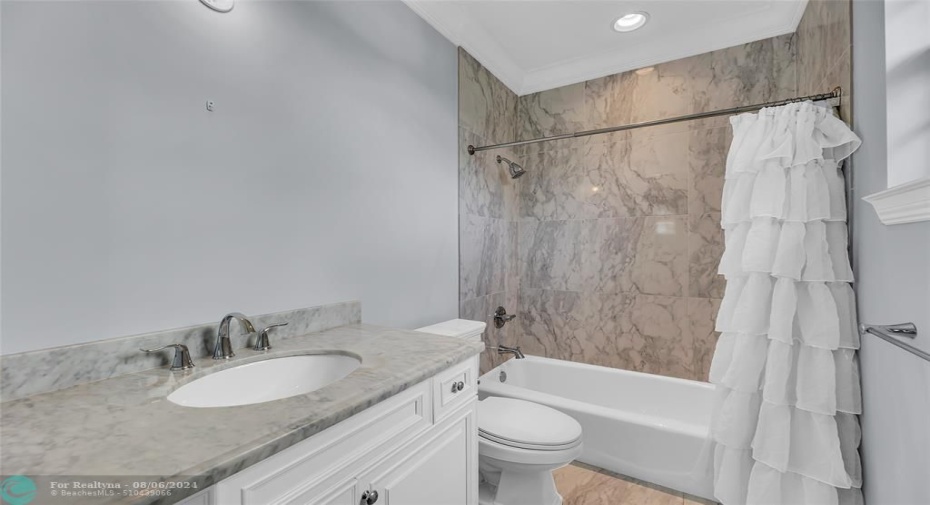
631, 21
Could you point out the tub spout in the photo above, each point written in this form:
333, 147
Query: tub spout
503, 349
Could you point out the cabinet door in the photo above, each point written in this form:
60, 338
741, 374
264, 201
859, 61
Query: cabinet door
440, 470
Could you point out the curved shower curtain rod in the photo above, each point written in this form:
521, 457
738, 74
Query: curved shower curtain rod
833, 95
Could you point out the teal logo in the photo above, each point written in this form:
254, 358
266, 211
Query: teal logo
17, 490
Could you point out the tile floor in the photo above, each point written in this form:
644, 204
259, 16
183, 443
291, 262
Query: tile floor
580, 484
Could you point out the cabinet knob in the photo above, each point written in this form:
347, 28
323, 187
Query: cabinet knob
370, 497
458, 386
461, 385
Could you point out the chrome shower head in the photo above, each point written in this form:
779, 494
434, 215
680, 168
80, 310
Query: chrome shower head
514, 169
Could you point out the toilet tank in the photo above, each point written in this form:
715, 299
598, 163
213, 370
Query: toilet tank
459, 328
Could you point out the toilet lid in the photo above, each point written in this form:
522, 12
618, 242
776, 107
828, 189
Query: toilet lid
528, 425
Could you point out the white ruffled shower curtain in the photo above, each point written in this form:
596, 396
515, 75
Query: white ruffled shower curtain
785, 428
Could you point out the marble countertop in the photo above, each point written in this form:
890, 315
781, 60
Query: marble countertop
125, 426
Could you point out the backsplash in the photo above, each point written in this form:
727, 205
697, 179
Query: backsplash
45, 370
608, 247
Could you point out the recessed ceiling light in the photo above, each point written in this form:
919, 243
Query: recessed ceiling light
631, 21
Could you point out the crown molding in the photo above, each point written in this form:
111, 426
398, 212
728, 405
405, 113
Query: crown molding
905, 203
454, 21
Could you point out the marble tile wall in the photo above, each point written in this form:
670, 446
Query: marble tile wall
488, 203
825, 50
608, 247
618, 234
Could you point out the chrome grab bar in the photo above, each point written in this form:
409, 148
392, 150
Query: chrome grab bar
908, 330
892, 333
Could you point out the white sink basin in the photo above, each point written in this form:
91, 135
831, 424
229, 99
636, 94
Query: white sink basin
264, 381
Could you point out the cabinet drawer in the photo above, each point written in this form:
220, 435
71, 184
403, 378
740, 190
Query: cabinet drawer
453, 387
331, 454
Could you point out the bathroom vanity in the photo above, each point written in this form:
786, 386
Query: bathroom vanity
410, 449
400, 428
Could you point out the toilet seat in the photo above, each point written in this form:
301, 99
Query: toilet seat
527, 458
530, 447
526, 425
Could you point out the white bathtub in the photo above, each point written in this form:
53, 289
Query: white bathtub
650, 427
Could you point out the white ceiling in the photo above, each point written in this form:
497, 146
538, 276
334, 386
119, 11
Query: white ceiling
534, 45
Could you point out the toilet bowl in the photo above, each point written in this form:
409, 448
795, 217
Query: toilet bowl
520, 443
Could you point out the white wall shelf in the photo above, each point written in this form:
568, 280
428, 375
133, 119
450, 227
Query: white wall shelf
905, 203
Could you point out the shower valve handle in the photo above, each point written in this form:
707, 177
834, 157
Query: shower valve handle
501, 317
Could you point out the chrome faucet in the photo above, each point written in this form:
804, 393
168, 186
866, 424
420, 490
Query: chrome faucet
223, 348
503, 349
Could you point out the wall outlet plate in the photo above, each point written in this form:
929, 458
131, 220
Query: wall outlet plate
219, 5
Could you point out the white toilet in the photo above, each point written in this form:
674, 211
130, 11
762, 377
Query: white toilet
520, 443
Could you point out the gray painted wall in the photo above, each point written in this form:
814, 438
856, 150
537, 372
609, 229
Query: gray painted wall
892, 266
327, 172
907, 77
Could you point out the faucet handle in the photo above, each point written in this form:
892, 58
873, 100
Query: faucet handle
501, 317
182, 357
263, 344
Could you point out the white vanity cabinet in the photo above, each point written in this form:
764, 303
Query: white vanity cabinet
431, 471
419, 447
